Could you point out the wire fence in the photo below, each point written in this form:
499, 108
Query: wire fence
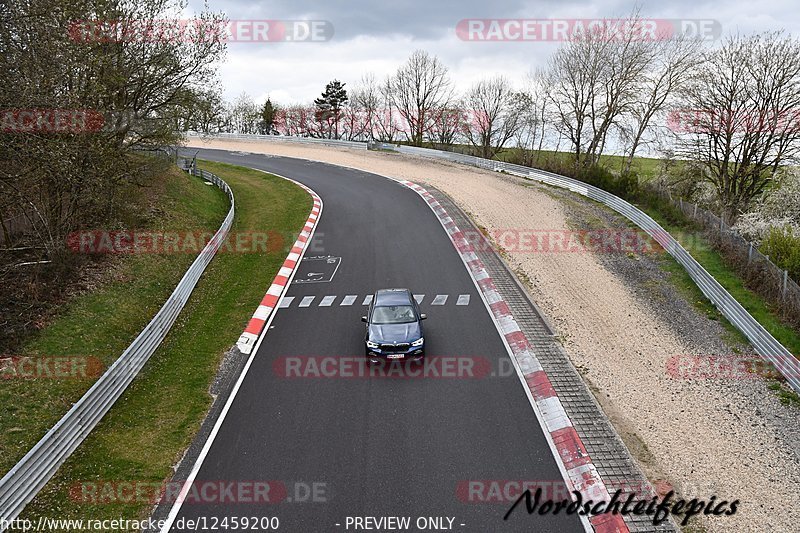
764, 343
21, 484
759, 272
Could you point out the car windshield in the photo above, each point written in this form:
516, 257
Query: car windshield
393, 314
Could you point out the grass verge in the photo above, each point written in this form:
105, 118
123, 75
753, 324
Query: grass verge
102, 322
153, 423
701, 249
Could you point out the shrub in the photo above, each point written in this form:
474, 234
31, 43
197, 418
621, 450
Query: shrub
782, 246
625, 185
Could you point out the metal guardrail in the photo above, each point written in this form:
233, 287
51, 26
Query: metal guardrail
764, 343
19, 486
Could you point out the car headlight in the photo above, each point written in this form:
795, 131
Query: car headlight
373, 345
418, 342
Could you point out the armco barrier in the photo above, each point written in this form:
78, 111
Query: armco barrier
764, 343
26, 478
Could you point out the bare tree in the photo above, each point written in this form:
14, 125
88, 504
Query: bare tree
671, 67
245, 115
418, 89
575, 76
494, 115
531, 105
296, 119
209, 111
628, 58
366, 98
744, 101
595, 81
386, 120
447, 125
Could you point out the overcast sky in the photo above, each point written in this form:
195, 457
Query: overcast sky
377, 36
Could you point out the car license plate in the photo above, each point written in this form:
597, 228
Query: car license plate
394, 356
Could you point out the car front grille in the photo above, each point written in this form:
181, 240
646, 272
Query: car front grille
395, 348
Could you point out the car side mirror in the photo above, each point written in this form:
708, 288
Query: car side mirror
423, 316
363, 319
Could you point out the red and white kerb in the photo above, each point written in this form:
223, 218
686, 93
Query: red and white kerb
582, 474
270, 301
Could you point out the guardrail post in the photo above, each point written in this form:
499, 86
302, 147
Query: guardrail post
785, 282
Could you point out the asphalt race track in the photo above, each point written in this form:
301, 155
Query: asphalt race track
376, 446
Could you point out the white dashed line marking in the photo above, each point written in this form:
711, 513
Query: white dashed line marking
352, 299
440, 299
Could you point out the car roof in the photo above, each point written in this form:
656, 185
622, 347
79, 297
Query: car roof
392, 297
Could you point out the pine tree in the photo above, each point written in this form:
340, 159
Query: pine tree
329, 106
268, 112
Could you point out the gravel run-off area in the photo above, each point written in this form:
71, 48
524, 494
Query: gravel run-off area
622, 322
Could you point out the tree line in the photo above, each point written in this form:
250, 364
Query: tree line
731, 109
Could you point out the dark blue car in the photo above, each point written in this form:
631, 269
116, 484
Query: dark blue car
394, 327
